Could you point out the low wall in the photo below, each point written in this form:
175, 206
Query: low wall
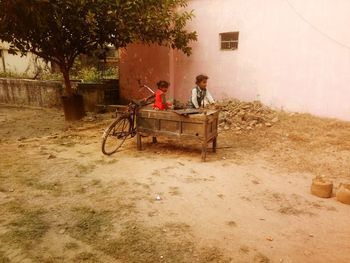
31, 92
48, 93
99, 93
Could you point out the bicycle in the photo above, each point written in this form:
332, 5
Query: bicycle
124, 126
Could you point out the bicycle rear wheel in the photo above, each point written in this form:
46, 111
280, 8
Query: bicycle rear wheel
115, 135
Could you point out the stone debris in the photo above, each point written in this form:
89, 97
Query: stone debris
239, 116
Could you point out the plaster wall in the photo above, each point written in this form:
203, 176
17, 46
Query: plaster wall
31, 92
19, 64
292, 54
149, 64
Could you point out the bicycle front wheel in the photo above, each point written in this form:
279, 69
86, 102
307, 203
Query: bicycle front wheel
115, 135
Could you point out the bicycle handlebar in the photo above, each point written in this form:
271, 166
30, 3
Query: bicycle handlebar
148, 88
145, 86
140, 103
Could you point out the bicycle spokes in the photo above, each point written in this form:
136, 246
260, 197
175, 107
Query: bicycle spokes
115, 135
121, 131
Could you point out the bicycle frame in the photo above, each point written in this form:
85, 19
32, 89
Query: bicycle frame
124, 117
133, 107
130, 113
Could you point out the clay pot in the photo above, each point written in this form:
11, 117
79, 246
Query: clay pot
321, 187
343, 193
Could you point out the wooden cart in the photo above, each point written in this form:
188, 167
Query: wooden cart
202, 127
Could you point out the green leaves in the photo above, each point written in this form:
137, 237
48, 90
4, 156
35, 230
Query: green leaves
60, 30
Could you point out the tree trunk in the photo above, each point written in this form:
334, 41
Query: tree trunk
67, 84
73, 104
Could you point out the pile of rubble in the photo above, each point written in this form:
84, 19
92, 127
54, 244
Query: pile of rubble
241, 116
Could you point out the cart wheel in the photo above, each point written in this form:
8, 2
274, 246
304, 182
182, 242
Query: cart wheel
115, 135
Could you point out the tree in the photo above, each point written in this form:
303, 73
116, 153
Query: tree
60, 30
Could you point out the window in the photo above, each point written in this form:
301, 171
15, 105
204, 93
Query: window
229, 40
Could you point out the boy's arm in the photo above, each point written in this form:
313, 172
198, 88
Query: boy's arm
209, 97
194, 98
165, 104
152, 96
149, 97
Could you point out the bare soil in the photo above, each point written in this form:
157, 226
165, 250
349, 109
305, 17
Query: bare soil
62, 200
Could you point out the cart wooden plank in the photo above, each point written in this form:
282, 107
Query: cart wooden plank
202, 126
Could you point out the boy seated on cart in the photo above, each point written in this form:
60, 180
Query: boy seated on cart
159, 97
160, 102
200, 95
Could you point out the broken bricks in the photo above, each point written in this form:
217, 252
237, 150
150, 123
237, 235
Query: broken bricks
321, 187
343, 193
246, 116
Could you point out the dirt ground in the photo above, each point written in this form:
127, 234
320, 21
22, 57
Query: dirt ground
62, 200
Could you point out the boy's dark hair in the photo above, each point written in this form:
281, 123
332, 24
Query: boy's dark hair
200, 78
163, 84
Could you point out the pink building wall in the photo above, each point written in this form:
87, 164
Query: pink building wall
149, 64
292, 54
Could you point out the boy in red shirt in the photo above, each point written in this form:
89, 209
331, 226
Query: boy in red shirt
160, 102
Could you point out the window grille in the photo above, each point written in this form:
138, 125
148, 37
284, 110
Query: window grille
229, 40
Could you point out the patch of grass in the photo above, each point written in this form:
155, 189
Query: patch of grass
255, 181
67, 143
89, 225
244, 249
177, 229
47, 259
34, 182
52, 186
28, 181
111, 161
15, 207
80, 190
134, 242
95, 182
3, 258
171, 243
221, 196
290, 210
71, 245
231, 223
212, 255
122, 183
85, 169
139, 244
26, 230
156, 173
86, 257
174, 190
261, 258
